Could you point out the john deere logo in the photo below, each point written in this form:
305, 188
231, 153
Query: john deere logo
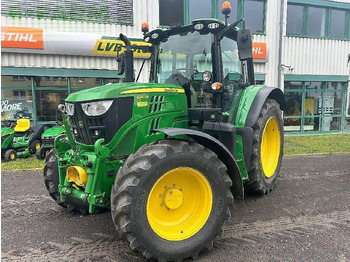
81, 124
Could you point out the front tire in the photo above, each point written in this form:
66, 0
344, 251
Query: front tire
170, 199
267, 151
41, 153
34, 146
10, 155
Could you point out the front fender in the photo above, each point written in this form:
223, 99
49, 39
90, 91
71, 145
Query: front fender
218, 148
252, 101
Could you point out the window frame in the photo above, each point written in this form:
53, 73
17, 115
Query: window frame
323, 91
328, 7
216, 9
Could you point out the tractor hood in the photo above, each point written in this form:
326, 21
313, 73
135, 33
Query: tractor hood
117, 90
53, 131
5, 131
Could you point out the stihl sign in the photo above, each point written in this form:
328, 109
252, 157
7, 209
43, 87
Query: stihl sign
259, 50
21, 37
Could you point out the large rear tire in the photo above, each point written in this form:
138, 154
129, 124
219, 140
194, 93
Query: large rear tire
170, 199
52, 181
267, 151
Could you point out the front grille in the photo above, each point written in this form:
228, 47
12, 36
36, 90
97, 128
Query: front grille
48, 141
84, 127
156, 104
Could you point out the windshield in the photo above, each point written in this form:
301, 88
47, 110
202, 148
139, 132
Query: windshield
191, 55
186, 54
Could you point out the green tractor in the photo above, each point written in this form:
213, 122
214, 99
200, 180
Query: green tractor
20, 141
167, 157
47, 140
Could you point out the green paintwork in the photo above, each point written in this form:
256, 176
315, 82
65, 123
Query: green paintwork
111, 91
7, 135
53, 131
128, 139
247, 98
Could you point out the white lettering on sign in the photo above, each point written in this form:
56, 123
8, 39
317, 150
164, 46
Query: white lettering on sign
257, 50
17, 37
5, 106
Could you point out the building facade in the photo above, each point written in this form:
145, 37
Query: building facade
300, 46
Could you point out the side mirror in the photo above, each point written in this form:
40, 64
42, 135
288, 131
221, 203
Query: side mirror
121, 63
244, 44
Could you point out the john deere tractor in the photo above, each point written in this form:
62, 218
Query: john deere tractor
167, 157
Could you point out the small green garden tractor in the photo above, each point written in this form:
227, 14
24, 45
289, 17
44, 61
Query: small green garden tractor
47, 140
167, 157
20, 141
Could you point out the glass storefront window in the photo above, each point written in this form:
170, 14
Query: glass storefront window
293, 85
295, 19
199, 9
332, 123
84, 82
292, 120
110, 80
49, 93
47, 102
16, 98
312, 124
316, 21
254, 14
171, 12
337, 26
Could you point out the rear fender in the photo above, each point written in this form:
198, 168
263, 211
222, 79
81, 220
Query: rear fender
217, 147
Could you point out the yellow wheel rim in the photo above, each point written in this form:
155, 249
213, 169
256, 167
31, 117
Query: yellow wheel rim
12, 156
179, 204
37, 145
270, 147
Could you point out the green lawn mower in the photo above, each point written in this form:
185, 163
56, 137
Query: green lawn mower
47, 140
21, 141
169, 156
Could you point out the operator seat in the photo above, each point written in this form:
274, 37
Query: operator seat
23, 125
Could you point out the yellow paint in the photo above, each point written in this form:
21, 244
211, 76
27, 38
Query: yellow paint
179, 204
77, 175
142, 104
12, 156
22, 125
154, 90
112, 47
270, 147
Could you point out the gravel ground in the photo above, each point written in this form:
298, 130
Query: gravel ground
305, 218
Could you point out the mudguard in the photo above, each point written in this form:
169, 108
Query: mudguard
259, 100
216, 146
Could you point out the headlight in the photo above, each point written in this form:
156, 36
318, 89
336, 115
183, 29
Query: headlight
206, 76
70, 109
96, 108
154, 35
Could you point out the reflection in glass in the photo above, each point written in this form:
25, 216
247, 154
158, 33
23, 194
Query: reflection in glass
199, 9
337, 28
295, 19
254, 15
316, 21
171, 12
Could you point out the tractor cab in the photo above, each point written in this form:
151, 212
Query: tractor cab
210, 59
